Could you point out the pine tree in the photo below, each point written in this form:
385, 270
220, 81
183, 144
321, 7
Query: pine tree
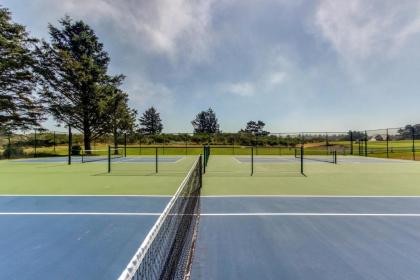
19, 108
206, 122
151, 122
77, 87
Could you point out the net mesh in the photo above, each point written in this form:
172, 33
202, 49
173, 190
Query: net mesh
325, 155
102, 154
166, 253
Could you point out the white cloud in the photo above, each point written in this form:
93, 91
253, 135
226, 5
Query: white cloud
360, 29
276, 78
241, 89
179, 29
144, 94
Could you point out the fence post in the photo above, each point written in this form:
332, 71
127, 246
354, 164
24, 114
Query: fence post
125, 144
252, 160
156, 160
351, 142
35, 143
109, 159
387, 143
414, 146
366, 144
70, 146
54, 141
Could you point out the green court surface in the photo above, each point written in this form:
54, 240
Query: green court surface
385, 177
90, 178
226, 175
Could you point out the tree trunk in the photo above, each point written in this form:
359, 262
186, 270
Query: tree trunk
87, 141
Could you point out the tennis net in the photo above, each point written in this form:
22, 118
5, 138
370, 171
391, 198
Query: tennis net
321, 155
101, 154
166, 253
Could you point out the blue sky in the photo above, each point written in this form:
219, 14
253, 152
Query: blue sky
297, 65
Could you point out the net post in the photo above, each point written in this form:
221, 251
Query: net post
156, 160
335, 157
203, 159
201, 170
351, 142
109, 159
301, 160
252, 160
70, 146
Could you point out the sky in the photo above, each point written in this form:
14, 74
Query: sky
326, 65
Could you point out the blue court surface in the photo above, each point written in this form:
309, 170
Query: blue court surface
308, 238
318, 159
239, 237
103, 159
72, 237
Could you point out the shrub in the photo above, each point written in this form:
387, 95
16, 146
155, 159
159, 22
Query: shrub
76, 150
13, 151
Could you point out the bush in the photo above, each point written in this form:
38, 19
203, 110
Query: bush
76, 150
13, 151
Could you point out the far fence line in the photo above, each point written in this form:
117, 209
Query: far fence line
402, 142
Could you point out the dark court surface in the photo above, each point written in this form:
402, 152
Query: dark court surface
72, 246
308, 247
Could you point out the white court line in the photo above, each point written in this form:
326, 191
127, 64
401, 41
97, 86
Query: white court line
84, 195
309, 214
316, 214
78, 214
212, 196
309, 196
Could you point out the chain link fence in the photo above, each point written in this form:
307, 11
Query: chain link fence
393, 143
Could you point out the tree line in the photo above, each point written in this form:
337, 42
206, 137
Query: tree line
67, 78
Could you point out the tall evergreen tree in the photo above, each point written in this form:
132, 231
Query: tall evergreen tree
150, 122
76, 84
205, 122
19, 108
